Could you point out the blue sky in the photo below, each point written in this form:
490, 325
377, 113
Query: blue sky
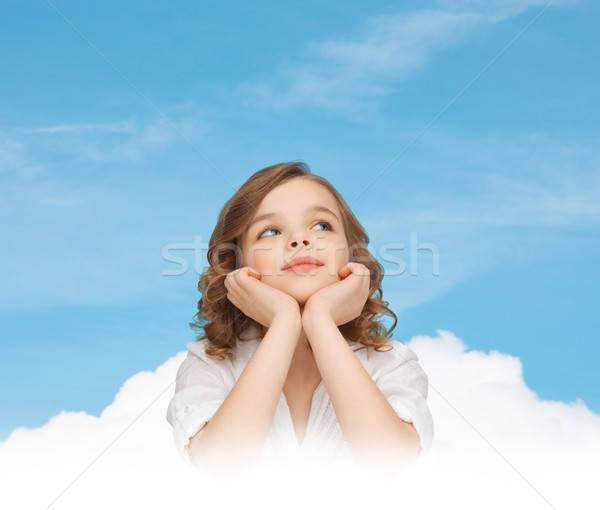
96, 183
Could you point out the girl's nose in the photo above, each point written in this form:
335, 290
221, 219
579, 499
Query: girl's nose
294, 244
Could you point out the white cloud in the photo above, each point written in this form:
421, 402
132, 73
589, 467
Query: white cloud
340, 74
555, 447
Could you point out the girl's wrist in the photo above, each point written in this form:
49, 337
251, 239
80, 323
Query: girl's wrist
311, 316
289, 316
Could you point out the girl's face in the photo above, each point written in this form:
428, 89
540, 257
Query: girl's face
302, 219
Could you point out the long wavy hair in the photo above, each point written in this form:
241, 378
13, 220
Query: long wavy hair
221, 323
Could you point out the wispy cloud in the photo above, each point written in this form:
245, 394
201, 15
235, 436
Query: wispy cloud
524, 181
30, 152
126, 140
338, 73
15, 159
341, 74
493, 435
495, 201
125, 127
79, 212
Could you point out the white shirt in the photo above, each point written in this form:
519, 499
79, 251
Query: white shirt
203, 384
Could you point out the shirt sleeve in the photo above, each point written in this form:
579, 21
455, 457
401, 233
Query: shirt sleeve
405, 386
199, 392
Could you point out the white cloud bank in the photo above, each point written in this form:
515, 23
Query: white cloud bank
485, 417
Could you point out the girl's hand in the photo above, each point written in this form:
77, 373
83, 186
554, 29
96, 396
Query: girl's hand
257, 300
343, 300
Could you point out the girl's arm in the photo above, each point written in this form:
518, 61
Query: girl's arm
375, 433
234, 437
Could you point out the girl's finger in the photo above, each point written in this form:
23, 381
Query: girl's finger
254, 273
353, 268
360, 269
245, 271
345, 271
230, 278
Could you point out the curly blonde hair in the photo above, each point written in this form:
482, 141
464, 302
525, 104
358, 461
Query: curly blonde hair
222, 324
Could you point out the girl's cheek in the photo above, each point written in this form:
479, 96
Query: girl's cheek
342, 257
260, 259
343, 254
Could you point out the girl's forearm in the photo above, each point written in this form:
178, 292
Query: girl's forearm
375, 433
235, 435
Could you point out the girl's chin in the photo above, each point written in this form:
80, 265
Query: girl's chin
302, 288
302, 297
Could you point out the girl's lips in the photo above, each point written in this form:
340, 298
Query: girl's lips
301, 268
299, 261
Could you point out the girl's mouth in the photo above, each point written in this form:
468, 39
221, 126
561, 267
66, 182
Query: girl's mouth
301, 268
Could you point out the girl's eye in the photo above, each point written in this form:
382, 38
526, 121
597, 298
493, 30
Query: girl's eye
268, 229
323, 222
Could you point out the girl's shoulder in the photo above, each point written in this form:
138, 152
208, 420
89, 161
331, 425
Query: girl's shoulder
241, 354
198, 349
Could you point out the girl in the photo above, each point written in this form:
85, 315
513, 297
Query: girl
292, 360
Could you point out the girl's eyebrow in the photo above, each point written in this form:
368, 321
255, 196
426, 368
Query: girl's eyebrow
318, 208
